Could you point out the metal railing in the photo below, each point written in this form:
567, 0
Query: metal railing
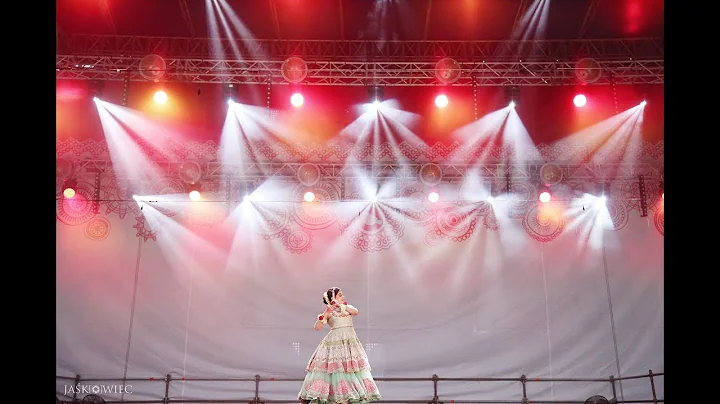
522, 381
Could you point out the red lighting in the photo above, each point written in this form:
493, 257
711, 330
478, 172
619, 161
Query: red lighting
297, 100
580, 100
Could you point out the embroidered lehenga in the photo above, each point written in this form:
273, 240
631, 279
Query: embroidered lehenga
338, 370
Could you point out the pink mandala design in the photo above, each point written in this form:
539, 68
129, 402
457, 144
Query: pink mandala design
454, 222
490, 221
142, 230
272, 221
618, 214
415, 206
318, 214
660, 221
543, 225
98, 228
167, 187
297, 241
79, 209
374, 231
525, 196
118, 199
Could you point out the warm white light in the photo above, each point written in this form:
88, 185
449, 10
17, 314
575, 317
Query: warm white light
194, 195
580, 100
160, 97
309, 196
545, 197
642, 104
297, 100
433, 197
441, 101
512, 104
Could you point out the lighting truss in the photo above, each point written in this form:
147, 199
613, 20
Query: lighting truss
359, 63
522, 172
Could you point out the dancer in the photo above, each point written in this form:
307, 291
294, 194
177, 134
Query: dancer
338, 371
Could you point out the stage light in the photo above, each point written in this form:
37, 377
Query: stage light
545, 197
69, 189
309, 196
433, 197
597, 400
490, 199
194, 192
441, 101
160, 97
229, 93
662, 190
643, 103
580, 100
375, 93
297, 100
512, 104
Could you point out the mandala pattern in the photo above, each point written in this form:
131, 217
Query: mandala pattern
98, 229
490, 221
318, 214
660, 221
293, 223
618, 214
415, 206
142, 230
543, 224
118, 199
272, 221
297, 241
454, 223
524, 196
375, 230
167, 187
80, 208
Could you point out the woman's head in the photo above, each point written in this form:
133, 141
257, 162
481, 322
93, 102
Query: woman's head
331, 294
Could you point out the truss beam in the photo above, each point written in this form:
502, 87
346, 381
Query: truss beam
487, 73
379, 51
451, 172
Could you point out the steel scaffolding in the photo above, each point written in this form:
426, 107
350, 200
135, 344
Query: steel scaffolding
360, 63
522, 381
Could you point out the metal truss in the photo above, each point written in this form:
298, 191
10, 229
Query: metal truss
360, 63
214, 171
525, 73
317, 50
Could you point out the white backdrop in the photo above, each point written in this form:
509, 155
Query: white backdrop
498, 304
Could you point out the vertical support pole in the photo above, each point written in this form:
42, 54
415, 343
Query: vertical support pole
652, 385
614, 391
77, 383
523, 380
126, 88
96, 195
643, 196
166, 399
256, 400
435, 389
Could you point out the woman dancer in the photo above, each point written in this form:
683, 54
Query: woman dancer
338, 371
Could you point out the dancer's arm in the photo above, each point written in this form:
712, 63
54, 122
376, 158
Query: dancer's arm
322, 319
350, 309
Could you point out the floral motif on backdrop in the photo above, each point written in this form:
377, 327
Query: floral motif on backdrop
371, 227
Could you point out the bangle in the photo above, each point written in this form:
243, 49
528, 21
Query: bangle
322, 319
